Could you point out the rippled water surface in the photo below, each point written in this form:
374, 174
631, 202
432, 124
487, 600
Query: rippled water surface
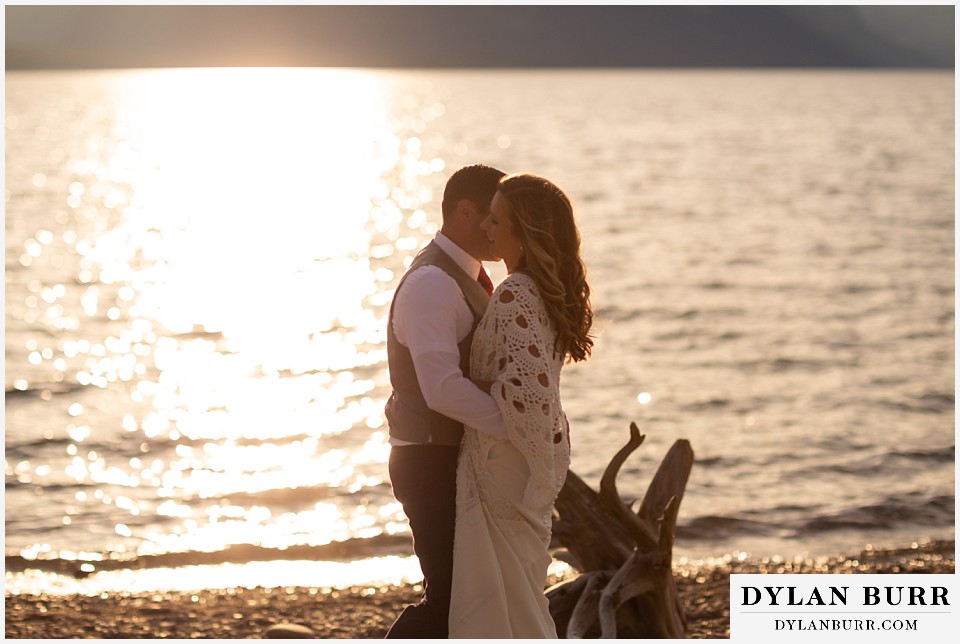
199, 264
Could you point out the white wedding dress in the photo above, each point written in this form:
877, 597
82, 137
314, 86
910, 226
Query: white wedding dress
506, 488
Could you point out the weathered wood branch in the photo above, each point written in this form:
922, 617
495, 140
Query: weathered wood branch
585, 612
639, 530
631, 580
670, 480
626, 587
588, 530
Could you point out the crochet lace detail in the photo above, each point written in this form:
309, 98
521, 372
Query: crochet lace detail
514, 347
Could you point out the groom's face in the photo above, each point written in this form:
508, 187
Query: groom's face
485, 251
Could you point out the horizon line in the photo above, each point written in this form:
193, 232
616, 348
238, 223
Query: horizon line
587, 67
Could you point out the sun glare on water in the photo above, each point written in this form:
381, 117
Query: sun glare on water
259, 219
257, 209
253, 229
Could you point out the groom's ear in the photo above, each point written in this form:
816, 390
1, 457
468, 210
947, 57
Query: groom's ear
466, 209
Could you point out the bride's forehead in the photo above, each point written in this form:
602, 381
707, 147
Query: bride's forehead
500, 204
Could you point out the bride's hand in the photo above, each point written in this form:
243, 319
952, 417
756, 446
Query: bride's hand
483, 385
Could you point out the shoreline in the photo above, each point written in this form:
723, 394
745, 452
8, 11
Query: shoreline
366, 613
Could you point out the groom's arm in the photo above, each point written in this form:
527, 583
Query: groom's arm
430, 317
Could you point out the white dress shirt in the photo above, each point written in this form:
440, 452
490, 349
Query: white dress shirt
431, 317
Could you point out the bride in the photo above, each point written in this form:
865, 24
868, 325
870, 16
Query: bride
538, 317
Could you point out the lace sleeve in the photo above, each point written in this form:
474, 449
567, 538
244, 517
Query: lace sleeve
527, 387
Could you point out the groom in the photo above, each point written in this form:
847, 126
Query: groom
436, 308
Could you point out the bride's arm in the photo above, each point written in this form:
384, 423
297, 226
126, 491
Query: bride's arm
525, 389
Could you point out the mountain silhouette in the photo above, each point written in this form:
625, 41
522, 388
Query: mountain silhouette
76, 37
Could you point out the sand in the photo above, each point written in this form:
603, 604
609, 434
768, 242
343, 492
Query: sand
361, 613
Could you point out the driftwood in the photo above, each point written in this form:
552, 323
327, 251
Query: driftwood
625, 587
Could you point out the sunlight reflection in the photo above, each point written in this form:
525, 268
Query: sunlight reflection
375, 572
325, 523
235, 237
252, 248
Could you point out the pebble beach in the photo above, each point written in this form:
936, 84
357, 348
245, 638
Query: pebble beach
366, 613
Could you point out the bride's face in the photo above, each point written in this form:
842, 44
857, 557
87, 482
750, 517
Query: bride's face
504, 243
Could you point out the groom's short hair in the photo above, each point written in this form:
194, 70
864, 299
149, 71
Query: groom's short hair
477, 183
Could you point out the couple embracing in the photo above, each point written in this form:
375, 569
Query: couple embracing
480, 445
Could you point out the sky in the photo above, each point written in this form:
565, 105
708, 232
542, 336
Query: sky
124, 36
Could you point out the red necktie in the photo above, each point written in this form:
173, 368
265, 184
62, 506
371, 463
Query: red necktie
485, 282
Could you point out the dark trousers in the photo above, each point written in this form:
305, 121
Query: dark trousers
424, 479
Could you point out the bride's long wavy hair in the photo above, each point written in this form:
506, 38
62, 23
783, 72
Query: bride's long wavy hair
542, 218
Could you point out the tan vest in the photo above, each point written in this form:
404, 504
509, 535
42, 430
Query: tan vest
407, 413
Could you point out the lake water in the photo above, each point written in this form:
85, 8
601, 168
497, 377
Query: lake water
199, 265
